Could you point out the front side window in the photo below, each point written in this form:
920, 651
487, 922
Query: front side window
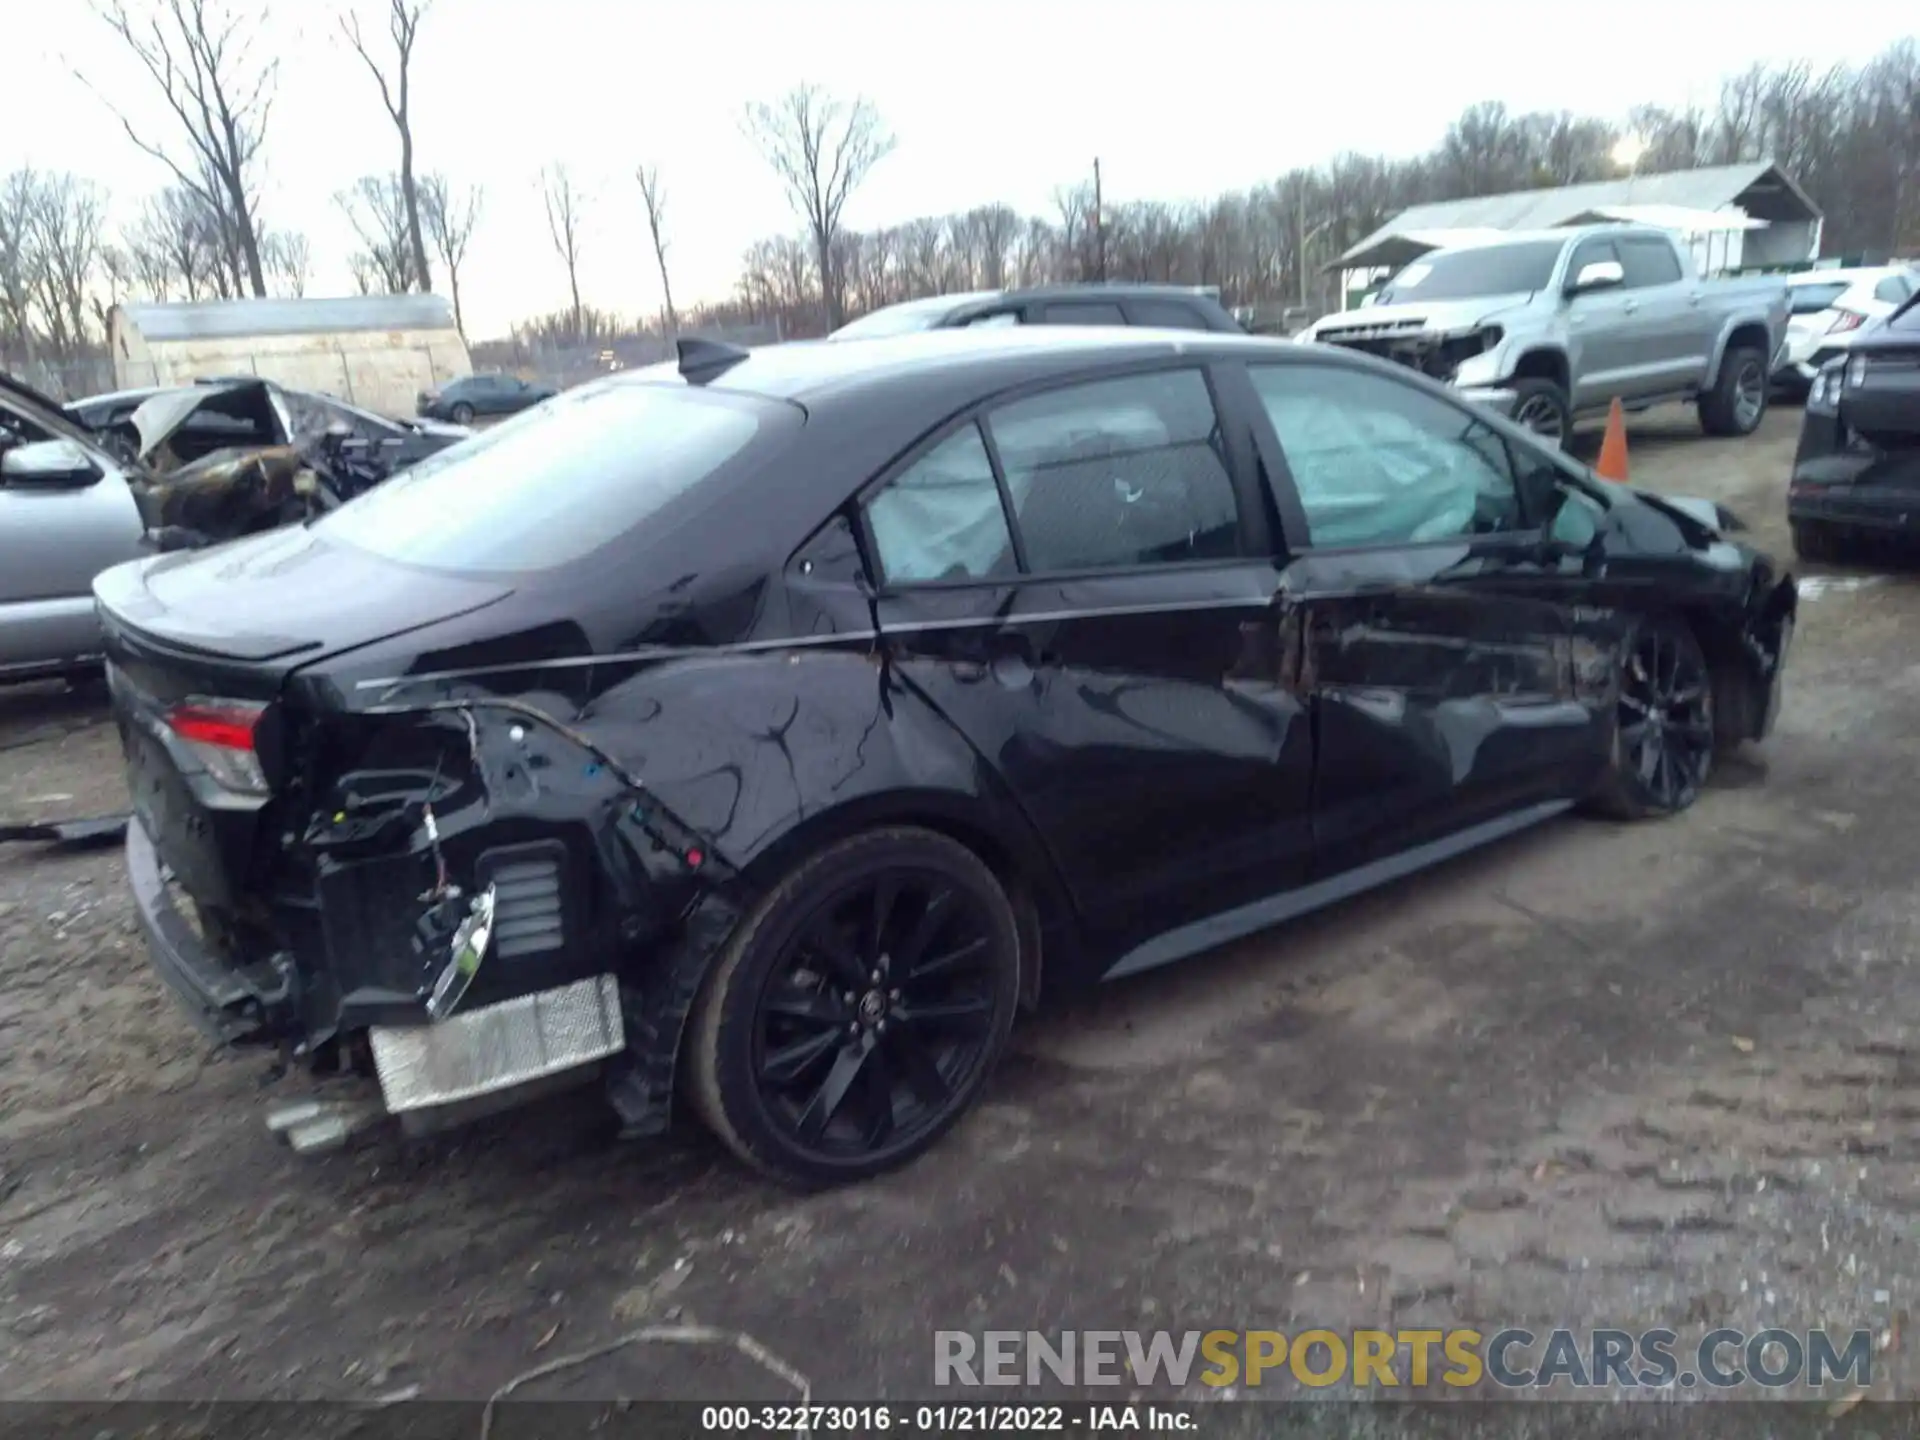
1118, 473
1591, 252
1378, 462
941, 518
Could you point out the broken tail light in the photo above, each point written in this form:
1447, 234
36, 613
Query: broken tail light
220, 733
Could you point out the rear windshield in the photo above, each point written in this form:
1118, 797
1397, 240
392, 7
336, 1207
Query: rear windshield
555, 483
1471, 273
1812, 299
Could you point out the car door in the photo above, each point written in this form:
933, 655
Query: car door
1600, 329
52, 543
1080, 579
1436, 650
1670, 344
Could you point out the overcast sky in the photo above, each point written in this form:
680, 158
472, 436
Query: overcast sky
989, 101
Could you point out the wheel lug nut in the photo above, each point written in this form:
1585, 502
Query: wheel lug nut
893, 994
876, 977
881, 1027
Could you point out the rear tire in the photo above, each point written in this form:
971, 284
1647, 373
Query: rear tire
810, 1068
462, 414
1738, 400
1663, 738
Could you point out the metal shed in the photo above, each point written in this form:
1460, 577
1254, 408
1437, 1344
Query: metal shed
378, 351
1770, 219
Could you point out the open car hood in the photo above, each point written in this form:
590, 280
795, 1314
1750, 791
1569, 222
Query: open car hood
159, 419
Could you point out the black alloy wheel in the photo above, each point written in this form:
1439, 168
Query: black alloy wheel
859, 1009
1664, 740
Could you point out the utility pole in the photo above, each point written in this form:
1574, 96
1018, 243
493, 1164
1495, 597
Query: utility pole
1300, 243
1099, 227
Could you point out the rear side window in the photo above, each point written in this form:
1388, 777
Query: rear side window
1118, 473
1649, 262
1812, 299
555, 483
941, 517
1892, 290
1166, 315
1082, 313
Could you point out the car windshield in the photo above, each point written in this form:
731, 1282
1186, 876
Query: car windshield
1812, 299
555, 483
1481, 270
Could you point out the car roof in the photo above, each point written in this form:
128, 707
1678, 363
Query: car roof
811, 370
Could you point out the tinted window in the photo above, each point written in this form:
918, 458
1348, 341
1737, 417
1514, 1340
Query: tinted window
1166, 314
1812, 299
1481, 270
941, 517
1378, 462
993, 321
554, 483
1082, 313
1907, 317
1892, 290
1649, 262
1118, 473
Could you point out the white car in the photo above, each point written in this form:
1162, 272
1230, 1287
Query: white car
1828, 309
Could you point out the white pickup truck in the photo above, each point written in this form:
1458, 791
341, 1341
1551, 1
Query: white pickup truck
1567, 321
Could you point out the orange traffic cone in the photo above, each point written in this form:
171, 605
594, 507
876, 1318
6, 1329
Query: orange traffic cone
1612, 464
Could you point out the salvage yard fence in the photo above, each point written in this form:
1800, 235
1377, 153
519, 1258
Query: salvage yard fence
366, 377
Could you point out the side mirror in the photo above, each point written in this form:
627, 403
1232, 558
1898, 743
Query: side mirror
48, 465
1600, 275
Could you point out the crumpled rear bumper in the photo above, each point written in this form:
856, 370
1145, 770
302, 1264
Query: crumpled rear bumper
468, 1056
225, 1002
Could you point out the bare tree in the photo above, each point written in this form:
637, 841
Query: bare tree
65, 231
19, 260
450, 220
654, 197
200, 58
377, 209
565, 204
289, 261
403, 25
175, 248
821, 148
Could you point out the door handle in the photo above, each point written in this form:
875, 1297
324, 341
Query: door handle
1630, 306
1694, 300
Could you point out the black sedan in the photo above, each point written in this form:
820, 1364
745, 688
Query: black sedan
461, 400
1856, 475
768, 730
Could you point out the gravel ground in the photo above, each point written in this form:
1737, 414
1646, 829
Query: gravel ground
1598, 1075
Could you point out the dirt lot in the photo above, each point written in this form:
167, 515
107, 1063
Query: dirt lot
1598, 1075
